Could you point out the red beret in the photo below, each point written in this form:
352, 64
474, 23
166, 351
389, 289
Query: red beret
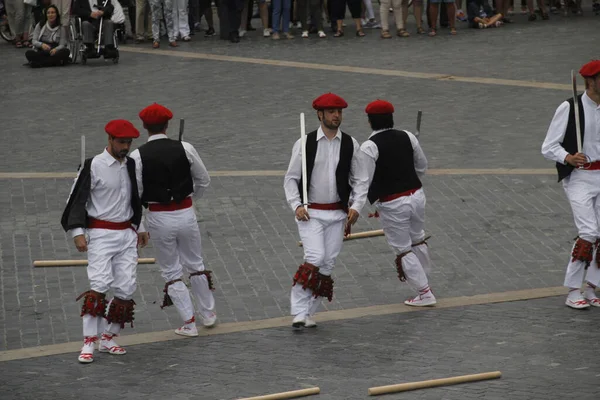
121, 128
380, 107
590, 69
329, 100
155, 114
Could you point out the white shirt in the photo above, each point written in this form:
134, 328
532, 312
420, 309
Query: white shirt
371, 154
551, 148
110, 191
199, 173
323, 184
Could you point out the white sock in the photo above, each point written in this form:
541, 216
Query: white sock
590, 292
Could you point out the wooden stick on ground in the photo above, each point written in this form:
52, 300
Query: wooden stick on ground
402, 387
286, 395
79, 263
360, 235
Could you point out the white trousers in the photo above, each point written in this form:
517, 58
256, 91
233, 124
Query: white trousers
583, 190
369, 9
322, 238
384, 10
176, 237
180, 18
112, 265
403, 220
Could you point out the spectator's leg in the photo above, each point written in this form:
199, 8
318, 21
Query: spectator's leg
418, 11
182, 15
302, 10
108, 30
170, 24
369, 10
276, 5
208, 15
451, 10
88, 30
156, 8
286, 6
244, 17
263, 9
399, 15
384, 11
433, 16
316, 16
140, 14
193, 14
355, 7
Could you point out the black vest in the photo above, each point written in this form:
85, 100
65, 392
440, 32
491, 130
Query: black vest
75, 214
166, 172
569, 142
342, 172
395, 166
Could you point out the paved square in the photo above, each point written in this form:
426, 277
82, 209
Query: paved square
487, 98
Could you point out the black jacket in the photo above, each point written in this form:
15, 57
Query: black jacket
81, 8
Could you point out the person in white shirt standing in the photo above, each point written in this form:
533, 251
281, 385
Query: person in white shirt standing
168, 173
104, 205
334, 180
580, 176
394, 161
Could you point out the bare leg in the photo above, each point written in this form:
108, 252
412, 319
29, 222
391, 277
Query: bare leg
433, 16
451, 9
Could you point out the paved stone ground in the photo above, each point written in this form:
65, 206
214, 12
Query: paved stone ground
491, 233
543, 349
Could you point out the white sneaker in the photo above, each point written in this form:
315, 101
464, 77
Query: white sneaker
576, 300
420, 300
190, 331
108, 345
304, 34
266, 32
87, 351
309, 323
322, 34
209, 322
593, 301
242, 32
299, 321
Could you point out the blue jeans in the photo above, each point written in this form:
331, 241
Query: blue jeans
281, 11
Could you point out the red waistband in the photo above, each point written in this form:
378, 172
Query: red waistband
593, 166
172, 206
390, 197
327, 207
94, 223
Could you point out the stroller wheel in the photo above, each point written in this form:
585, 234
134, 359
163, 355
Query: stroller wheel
116, 60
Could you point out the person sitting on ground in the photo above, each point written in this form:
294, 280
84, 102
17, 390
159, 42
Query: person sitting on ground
480, 15
49, 44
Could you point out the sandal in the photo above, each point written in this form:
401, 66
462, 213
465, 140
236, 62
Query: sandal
27, 43
532, 17
339, 33
545, 16
453, 31
19, 44
386, 35
420, 30
432, 32
360, 33
403, 33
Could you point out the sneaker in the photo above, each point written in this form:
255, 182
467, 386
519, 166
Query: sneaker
210, 321
304, 34
186, 330
289, 35
299, 322
242, 32
576, 300
108, 345
422, 300
187, 38
266, 32
298, 25
210, 32
309, 323
275, 36
322, 34
87, 351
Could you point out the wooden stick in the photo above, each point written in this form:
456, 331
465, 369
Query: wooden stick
79, 263
403, 387
286, 395
360, 235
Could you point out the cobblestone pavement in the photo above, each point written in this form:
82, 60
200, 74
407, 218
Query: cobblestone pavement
543, 349
491, 233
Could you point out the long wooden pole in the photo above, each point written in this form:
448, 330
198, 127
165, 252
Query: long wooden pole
360, 235
403, 387
79, 263
286, 395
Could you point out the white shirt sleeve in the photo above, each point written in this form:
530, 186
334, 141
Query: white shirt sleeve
293, 176
370, 154
199, 173
551, 148
420, 160
359, 179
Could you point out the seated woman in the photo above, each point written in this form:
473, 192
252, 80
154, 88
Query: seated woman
480, 16
50, 46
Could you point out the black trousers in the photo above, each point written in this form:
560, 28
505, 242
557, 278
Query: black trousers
338, 9
42, 58
234, 13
